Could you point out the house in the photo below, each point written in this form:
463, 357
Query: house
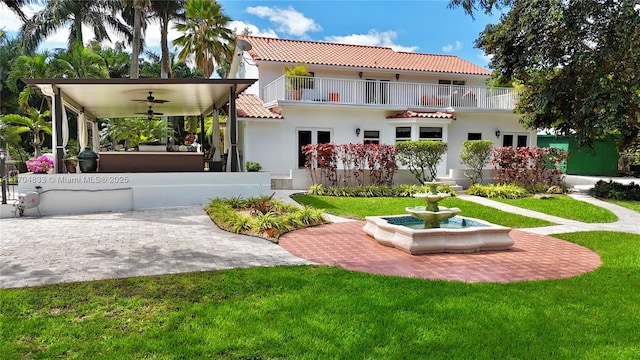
364, 94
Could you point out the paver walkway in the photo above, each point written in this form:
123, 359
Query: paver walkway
628, 220
55, 249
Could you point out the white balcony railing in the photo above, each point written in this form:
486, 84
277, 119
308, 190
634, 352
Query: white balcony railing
391, 93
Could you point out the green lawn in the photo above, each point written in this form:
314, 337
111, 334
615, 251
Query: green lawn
358, 208
310, 312
630, 204
564, 207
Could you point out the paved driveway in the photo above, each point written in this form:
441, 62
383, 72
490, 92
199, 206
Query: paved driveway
54, 249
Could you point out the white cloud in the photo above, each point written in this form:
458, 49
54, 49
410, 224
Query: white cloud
372, 38
451, 47
240, 26
289, 20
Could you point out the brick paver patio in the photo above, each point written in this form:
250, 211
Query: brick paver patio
532, 257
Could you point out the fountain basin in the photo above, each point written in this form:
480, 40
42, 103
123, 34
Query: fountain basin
414, 239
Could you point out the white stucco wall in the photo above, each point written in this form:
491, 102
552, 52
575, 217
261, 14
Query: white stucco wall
274, 143
95, 192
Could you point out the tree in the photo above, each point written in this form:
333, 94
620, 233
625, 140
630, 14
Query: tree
421, 156
577, 59
116, 60
206, 35
35, 122
151, 67
15, 5
78, 63
139, 22
166, 11
9, 52
33, 67
487, 6
475, 154
98, 15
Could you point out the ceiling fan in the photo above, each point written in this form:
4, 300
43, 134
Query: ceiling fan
150, 100
150, 113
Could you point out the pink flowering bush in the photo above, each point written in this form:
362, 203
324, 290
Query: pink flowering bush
40, 165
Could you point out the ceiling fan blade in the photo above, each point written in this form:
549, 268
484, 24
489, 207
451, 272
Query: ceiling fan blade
150, 100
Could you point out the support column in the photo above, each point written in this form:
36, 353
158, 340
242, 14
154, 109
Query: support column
215, 138
203, 136
234, 156
58, 140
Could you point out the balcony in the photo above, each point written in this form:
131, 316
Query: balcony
389, 94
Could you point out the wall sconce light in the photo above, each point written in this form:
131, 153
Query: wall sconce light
397, 77
360, 74
357, 131
497, 133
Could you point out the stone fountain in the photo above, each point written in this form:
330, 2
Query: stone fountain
432, 214
433, 228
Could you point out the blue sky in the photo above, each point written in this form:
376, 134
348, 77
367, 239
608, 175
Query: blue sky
427, 26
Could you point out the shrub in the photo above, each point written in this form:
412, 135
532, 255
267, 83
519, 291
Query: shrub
421, 158
475, 155
378, 191
261, 216
529, 166
508, 191
617, 191
253, 166
323, 160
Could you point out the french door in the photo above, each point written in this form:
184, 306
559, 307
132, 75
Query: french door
311, 136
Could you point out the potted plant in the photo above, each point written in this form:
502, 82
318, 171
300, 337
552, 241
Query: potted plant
71, 159
298, 78
253, 166
151, 133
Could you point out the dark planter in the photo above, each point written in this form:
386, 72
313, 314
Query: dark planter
88, 160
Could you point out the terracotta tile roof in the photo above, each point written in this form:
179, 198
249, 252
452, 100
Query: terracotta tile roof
251, 106
357, 56
428, 115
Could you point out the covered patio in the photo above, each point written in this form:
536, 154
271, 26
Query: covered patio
93, 99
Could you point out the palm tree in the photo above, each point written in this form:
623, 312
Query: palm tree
14, 5
9, 52
73, 13
78, 63
151, 67
35, 122
206, 35
116, 59
139, 7
33, 67
167, 10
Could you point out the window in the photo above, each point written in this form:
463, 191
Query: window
430, 133
451, 82
403, 133
520, 140
371, 137
474, 136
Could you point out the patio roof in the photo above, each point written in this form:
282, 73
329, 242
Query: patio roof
105, 98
